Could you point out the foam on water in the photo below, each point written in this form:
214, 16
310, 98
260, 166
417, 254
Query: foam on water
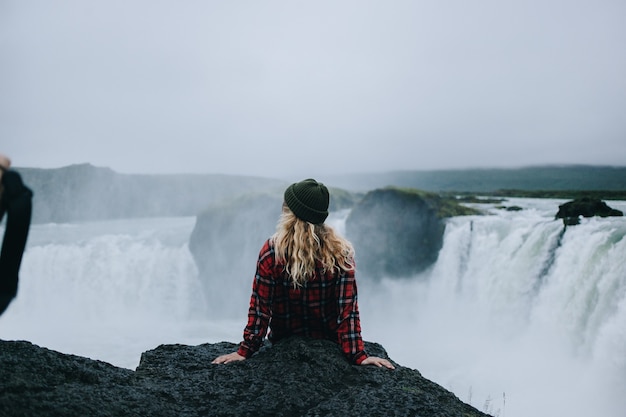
517, 317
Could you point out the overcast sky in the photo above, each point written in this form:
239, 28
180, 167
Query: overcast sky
299, 88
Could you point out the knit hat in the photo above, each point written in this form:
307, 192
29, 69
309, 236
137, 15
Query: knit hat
308, 200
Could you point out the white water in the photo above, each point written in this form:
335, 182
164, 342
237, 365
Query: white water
513, 319
111, 290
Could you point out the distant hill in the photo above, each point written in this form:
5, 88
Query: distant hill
85, 192
568, 177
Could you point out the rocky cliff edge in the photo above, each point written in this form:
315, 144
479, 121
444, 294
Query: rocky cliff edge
297, 377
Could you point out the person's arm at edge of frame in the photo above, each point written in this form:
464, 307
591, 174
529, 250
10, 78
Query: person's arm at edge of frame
5, 164
258, 313
349, 330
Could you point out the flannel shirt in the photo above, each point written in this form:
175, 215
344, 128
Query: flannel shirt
325, 307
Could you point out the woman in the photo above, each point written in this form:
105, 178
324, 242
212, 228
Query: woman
304, 283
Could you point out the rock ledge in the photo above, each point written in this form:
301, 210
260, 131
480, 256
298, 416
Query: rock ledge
297, 377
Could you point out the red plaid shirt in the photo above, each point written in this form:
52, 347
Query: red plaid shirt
325, 307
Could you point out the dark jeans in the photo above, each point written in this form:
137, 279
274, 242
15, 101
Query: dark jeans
16, 202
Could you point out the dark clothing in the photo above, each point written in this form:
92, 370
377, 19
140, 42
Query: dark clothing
325, 307
16, 202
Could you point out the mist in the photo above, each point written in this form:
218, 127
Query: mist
516, 317
300, 89
294, 90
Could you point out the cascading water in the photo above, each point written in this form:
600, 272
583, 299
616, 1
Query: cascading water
110, 290
517, 317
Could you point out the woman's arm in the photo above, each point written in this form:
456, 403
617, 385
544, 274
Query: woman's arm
349, 331
260, 310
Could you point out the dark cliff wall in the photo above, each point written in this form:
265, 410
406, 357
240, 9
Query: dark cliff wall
395, 232
228, 236
399, 232
225, 244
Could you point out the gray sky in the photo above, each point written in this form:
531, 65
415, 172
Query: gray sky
295, 88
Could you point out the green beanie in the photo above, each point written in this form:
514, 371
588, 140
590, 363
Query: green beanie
308, 200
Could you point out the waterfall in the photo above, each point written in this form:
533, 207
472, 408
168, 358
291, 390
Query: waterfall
111, 290
516, 307
518, 316
108, 276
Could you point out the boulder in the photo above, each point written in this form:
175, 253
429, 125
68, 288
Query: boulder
399, 232
586, 207
228, 236
225, 244
296, 377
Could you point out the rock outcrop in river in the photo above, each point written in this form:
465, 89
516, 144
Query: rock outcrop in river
399, 232
571, 211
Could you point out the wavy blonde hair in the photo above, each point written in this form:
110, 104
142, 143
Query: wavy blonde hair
300, 245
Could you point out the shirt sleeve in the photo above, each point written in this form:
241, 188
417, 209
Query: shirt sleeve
349, 330
260, 311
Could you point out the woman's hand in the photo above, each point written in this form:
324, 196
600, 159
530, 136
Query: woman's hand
231, 357
376, 361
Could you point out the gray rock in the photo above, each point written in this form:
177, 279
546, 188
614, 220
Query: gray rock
395, 233
297, 377
571, 211
228, 236
586, 207
225, 245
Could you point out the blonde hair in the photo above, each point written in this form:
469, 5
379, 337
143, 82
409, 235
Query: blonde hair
300, 245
